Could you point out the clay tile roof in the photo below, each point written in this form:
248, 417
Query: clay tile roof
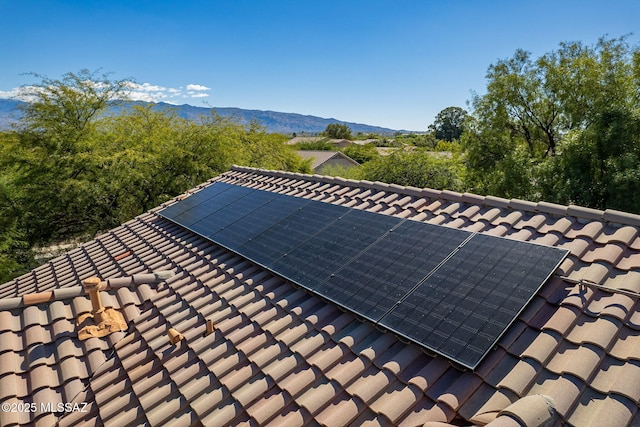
278, 355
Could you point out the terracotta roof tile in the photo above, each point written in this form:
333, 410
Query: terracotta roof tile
540, 346
599, 331
327, 356
618, 217
280, 356
579, 361
627, 280
591, 230
520, 377
396, 400
634, 320
318, 395
595, 409
485, 404
620, 377
424, 373
341, 412
533, 222
291, 415
347, 370
457, 392
627, 344
564, 390
584, 213
370, 384
426, 410
614, 305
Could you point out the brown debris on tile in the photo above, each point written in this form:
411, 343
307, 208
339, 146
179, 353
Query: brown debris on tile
122, 256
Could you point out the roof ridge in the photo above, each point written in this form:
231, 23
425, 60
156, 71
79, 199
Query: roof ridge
580, 212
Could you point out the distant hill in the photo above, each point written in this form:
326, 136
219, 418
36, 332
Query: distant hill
9, 112
273, 121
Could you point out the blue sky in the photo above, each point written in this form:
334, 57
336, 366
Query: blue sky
392, 63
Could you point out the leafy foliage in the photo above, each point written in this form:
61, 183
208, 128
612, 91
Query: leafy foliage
562, 128
419, 169
338, 131
426, 140
68, 170
361, 153
320, 145
449, 124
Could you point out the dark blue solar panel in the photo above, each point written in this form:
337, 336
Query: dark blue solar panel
378, 278
228, 208
452, 291
311, 263
290, 232
273, 209
209, 205
187, 205
465, 305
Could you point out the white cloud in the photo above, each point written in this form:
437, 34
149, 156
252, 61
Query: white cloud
197, 87
135, 91
148, 92
146, 96
146, 87
9, 93
24, 93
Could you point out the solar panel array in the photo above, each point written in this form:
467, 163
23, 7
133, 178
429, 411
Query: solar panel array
449, 290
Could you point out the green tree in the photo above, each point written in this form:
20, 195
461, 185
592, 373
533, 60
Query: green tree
323, 144
449, 124
15, 254
261, 149
61, 112
54, 153
599, 167
419, 169
337, 131
361, 153
548, 128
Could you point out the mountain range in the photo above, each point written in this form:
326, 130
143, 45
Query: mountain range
273, 121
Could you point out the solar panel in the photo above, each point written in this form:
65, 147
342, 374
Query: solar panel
464, 306
378, 278
256, 222
449, 290
184, 213
312, 263
290, 232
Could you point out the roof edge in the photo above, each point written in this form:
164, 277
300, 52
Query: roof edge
609, 215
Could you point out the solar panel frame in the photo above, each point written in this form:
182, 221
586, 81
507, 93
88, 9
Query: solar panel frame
379, 266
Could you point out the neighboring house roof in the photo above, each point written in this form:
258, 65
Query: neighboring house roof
365, 141
308, 139
301, 139
281, 356
320, 158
